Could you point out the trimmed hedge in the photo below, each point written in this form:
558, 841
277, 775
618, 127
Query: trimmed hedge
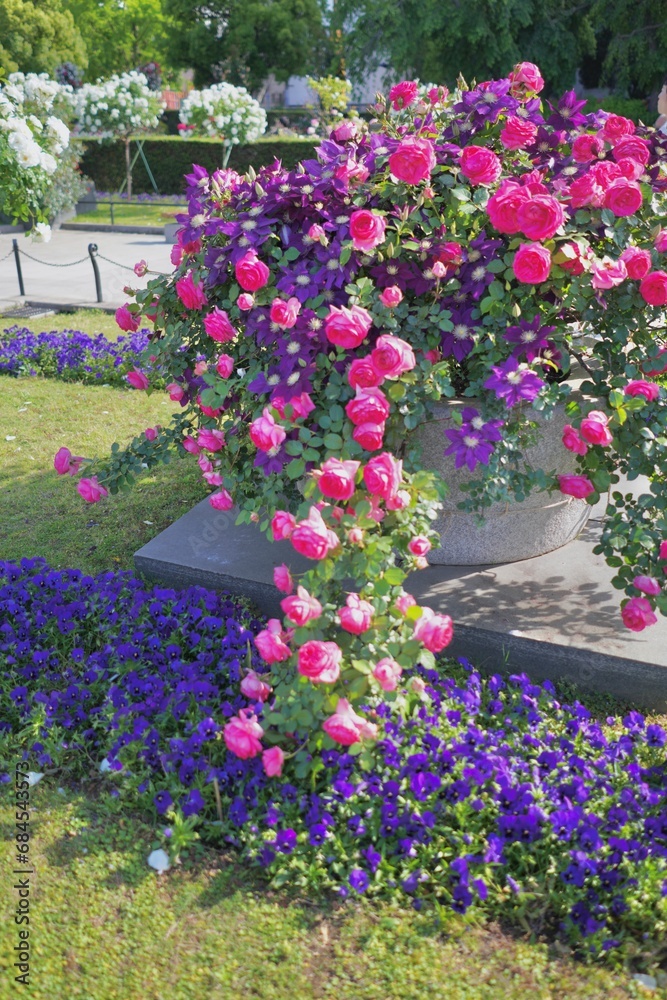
170, 157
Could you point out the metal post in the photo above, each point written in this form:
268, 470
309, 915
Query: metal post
111, 210
92, 250
19, 273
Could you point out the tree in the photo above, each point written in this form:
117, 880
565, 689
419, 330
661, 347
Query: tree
242, 41
38, 35
636, 57
120, 34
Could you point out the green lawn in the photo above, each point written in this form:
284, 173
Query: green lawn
131, 215
90, 321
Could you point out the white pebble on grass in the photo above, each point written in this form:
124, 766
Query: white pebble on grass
159, 860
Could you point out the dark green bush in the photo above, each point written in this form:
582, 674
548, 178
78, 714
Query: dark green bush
627, 107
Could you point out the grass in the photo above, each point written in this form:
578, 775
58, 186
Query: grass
130, 215
90, 321
207, 928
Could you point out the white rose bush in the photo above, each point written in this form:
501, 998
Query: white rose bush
223, 112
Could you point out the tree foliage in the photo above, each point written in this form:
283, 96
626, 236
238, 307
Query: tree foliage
636, 55
38, 35
120, 35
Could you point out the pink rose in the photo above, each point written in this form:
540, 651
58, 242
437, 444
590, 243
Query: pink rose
569, 258
346, 727
218, 326
637, 613
604, 172
312, 538
317, 234
391, 356
224, 365
243, 734
65, 463
572, 441
336, 478
404, 602
347, 327
282, 525
663, 551
660, 242
283, 579
576, 486
126, 320
532, 263
265, 433
299, 407
653, 288
503, 206
637, 262
272, 762
616, 127
370, 405
647, 585
434, 631
438, 94
631, 169
419, 545
387, 673
608, 273
391, 297
351, 171
585, 192
526, 80
518, 133
540, 217
221, 500
271, 643
370, 436
413, 160
404, 93
176, 254
190, 445
151, 433
595, 430
356, 616
140, 268
383, 474
586, 148
320, 661
191, 292
251, 273
623, 197
363, 374
344, 132
253, 687
211, 440
91, 490
284, 314
480, 165
366, 229
301, 607
632, 148
649, 390
176, 392
245, 302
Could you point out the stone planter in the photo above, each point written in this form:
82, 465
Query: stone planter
513, 531
170, 230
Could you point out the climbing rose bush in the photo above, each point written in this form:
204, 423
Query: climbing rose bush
469, 243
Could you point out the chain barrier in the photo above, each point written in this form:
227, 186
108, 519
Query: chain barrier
48, 263
126, 267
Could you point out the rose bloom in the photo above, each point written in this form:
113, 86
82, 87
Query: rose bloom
370, 436
585, 192
413, 160
301, 607
224, 365
251, 273
343, 132
572, 441
320, 661
283, 579
272, 762
595, 430
312, 538
391, 356
211, 440
391, 297
569, 258
623, 197
586, 148
660, 242
608, 273
346, 727
632, 148
637, 262
347, 327
282, 525
356, 617
245, 302
518, 133
151, 433
243, 734
368, 406
434, 631
191, 446
383, 474
191, 292
218, 326
637, 613
616, 127
404, 602
540, 217
176, 392
284, 314
649, 390
137, 380
647, 585
222, 500
271, 643
253, 687
404, 93
366, 229
480, 165
336, 478
126, 320
576, 486
300, 406
663, 551
532, 263
316, 233
503, 206
419, 545
363, 374
265, 433
65, 463
653, 288
525, 79
387, 673
90, 490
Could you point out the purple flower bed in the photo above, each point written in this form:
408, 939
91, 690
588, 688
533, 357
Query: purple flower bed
149, 198
487, 793
73, 356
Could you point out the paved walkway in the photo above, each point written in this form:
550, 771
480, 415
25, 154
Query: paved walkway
76, 285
